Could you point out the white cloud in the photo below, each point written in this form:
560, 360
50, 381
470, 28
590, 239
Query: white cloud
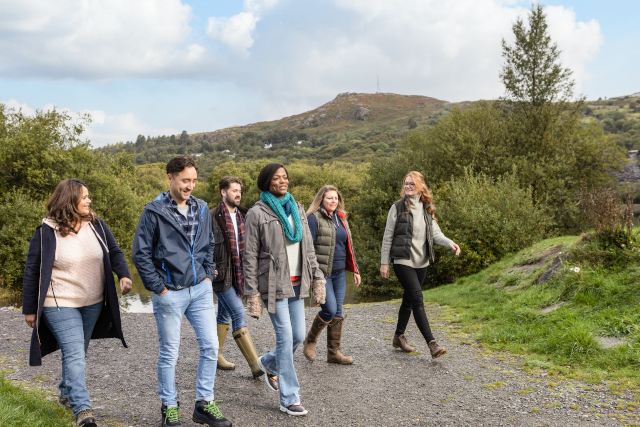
235, 32
96, 39
104, 128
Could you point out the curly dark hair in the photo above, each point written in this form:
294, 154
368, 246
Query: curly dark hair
62, 206
267, 172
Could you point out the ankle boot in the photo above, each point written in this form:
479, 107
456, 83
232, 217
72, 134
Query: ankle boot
222, 335
245, 344
334, 339
309, 343
399, 341
435, 349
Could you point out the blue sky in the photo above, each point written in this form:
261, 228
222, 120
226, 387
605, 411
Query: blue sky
157, 67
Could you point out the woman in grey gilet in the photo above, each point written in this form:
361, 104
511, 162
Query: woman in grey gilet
408, 240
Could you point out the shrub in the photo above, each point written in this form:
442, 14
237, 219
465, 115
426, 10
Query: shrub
20, 217
488, 218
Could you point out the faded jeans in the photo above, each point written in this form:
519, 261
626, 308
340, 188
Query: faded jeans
230, 309
196, 303
336, 288
288, 323
72, 327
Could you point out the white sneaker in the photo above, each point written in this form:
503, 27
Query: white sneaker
271, 380
295, 410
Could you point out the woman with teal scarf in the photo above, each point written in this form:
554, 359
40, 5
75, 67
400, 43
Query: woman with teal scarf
279, 267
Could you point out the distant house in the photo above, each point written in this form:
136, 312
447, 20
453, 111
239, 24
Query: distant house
226, 151
299, 142
196, 154
233, 156
267, 146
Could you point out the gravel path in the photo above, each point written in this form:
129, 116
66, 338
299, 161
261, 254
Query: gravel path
469, 386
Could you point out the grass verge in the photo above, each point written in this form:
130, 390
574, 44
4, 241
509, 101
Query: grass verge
565, 326
20, 407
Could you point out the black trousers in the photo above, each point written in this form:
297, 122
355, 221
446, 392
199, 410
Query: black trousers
412, 301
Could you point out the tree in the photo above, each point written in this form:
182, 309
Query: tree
184, 138
412, 123
531, 73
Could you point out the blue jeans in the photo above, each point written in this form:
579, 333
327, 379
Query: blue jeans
288, 322
230, 309
195, 302
72, 328
336, 287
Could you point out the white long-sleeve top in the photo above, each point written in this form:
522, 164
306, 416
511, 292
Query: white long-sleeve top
419, 251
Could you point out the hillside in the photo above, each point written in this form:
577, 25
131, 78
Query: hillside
353, 127
569, 305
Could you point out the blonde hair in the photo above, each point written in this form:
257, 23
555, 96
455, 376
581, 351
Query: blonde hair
423, 190
317, 201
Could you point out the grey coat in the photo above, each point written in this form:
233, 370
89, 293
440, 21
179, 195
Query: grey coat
265, 263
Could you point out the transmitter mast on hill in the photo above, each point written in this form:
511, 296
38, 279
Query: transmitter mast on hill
378, 89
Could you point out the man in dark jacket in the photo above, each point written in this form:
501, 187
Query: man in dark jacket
228, 230
173, 252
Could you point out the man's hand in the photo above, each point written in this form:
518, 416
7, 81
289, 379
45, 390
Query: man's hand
125, 285
164, 292
30, 319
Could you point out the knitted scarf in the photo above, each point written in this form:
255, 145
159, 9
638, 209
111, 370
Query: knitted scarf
283, 208
236, 256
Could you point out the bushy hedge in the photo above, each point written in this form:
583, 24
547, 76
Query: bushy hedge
488, 218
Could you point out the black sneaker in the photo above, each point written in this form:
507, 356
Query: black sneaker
64, 402
170, 416
85, 419
208, 413
271, 380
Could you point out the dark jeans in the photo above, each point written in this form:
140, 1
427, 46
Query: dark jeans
411, 280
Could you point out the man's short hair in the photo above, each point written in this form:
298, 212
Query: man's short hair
226, 181
180, 163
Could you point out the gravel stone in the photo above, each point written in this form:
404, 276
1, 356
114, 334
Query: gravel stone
469, 386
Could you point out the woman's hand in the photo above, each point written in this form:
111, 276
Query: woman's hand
455, 248
125, 285
384, 271
356, 279
30, 319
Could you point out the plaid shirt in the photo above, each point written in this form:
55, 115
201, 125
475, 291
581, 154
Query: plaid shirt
191, 222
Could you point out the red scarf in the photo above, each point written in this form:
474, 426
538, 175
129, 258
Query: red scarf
236, 255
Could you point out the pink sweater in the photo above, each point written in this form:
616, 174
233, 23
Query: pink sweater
77, 278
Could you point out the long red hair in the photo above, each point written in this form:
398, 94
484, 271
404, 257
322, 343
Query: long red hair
423, 190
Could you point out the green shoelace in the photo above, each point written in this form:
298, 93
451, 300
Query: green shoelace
171, 414
213, 409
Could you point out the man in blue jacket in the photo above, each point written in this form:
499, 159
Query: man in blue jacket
173, 252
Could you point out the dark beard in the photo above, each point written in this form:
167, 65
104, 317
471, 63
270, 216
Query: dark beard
231, 202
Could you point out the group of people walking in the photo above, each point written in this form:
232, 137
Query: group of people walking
273, 254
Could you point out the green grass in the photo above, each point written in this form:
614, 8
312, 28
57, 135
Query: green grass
20, 407
502, 306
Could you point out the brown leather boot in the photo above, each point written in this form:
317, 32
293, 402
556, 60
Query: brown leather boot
399, 341
309, 343
222, 336
245, 344
436, 350
334, 339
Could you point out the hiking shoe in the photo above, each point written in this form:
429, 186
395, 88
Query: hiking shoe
271, 380
435, 349
85, 419
170, 416
399, 341
295, 410
64, 402
208, 413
